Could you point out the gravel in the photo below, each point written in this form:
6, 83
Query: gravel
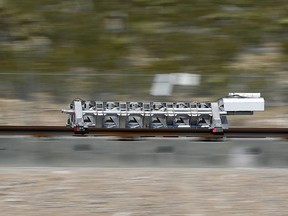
135, 192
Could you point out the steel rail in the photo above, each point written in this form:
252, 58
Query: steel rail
45, 131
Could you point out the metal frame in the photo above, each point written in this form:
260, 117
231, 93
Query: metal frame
85, 114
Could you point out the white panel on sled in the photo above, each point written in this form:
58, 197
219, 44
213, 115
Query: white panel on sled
243, 104
246, 95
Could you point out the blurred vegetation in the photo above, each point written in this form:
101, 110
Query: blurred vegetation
217, 38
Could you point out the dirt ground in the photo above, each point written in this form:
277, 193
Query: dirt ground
143, 192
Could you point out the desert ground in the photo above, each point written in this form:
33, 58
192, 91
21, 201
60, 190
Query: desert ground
143, 192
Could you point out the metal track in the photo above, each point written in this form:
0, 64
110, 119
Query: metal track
43, 131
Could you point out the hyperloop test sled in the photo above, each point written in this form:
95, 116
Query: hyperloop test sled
85, 114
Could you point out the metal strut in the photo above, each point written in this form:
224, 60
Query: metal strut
85, 114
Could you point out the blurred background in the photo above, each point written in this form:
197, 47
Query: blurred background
53, 51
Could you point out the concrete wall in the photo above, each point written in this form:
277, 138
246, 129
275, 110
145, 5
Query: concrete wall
148, 152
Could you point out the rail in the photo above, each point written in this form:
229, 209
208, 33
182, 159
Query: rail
46, 131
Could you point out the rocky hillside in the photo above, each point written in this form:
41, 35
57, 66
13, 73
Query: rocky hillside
218, 39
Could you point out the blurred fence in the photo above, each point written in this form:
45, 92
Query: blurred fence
64, 87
